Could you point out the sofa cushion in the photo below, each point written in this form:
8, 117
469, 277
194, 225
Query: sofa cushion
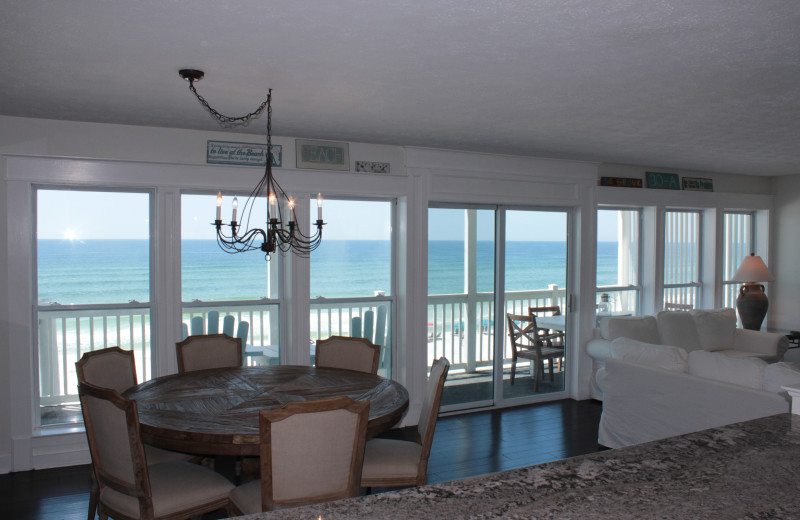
777, 375
677, 328
738, 371
715, 327
665, 357
641, 328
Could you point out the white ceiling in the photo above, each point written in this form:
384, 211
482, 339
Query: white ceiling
703, 85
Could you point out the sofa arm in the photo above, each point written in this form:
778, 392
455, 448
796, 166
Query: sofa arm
768, 345
599, 349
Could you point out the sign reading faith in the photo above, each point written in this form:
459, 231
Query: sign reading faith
663, 181
242, 154
322, 155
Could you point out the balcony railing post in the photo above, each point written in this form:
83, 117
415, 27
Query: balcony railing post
48, 357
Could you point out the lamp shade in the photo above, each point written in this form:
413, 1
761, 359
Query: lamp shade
752, 269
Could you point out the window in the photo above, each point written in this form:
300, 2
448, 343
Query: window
738, 242
681, 259
232, 293
93, 287
351, 286
618, 264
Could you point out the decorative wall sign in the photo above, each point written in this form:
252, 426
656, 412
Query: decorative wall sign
698, 184
372, 167
621, 182
663, 181
242, 154
322, 155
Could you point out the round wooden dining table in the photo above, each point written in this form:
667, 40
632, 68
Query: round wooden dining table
215, 412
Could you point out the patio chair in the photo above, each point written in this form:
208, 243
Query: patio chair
311, 451
208, 351
530, 342
398, 463
129, 488
350, 353
115, 368
555, 336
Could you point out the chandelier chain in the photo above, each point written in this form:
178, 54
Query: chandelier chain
230, 120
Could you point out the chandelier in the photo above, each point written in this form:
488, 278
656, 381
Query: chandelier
281, 231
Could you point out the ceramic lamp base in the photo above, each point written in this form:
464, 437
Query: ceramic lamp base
752, 305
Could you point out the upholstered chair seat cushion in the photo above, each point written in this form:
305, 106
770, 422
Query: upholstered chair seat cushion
157, 455
170, 482
390, 458
247, 497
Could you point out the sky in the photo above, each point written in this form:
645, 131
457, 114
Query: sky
75, 214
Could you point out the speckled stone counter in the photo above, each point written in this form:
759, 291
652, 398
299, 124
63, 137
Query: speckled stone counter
744, 470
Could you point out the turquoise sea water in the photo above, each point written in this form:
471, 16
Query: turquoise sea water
116, 271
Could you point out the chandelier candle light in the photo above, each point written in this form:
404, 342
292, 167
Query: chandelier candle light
282, 231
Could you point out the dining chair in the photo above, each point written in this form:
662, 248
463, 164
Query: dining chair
530, 342
350, 353
129, 488
208, 351
311, 451
396, 462
115, 368
555, 336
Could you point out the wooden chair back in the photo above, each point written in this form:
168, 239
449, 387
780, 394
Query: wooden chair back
349, 353
112, 428
208, 351
430, 411
551, 310
523, 332
312, 451
111, 367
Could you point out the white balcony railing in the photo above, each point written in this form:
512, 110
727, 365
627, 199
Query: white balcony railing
460, 327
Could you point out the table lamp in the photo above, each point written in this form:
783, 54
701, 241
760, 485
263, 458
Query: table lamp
752, 302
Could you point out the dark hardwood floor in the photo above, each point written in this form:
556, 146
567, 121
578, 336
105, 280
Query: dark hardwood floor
465, 445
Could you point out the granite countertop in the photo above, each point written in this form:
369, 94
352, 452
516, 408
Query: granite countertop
743, 470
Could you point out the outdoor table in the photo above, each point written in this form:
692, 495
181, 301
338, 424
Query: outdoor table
215, 412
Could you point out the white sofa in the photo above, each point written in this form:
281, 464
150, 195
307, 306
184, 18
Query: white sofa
655, 391
710, 330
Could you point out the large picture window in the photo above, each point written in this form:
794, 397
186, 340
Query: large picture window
93, 287
682, 247
236, 294
351, 287
739, 241
618, 261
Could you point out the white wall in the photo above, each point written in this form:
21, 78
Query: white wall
784, 292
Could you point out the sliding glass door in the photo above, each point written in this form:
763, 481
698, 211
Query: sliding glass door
461, 250
535, 282
465, 262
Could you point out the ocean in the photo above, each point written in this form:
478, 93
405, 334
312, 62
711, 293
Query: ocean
116, 271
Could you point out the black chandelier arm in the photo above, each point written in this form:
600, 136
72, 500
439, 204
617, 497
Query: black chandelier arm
238, 243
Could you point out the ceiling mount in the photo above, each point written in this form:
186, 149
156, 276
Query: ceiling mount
191, 75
